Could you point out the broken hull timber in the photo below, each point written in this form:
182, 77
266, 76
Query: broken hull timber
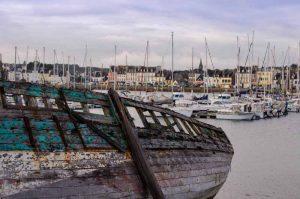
50, 152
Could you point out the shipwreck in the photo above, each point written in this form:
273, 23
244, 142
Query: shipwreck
109, 147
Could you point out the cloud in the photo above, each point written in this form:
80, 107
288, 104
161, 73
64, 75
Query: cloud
68, 25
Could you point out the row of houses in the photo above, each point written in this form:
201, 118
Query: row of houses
248, 77
243, 77
136, 74
267, 77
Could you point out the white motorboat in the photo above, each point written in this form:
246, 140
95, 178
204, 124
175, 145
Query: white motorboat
187, 111
234, 113
185, 107
214, 105
293, 105
158, 99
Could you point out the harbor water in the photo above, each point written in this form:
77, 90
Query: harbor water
266, 163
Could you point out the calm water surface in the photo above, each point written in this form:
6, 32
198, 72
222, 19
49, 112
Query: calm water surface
266, 163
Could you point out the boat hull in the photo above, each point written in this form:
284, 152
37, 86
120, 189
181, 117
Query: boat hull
110, 174
229, 116
111, 148
186, 111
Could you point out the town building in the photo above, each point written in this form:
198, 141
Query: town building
244, 77
136, 74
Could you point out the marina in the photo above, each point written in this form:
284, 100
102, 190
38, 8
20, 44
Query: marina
149, 99
226, 106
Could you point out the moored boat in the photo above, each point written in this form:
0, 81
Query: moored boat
294, 105
234, 113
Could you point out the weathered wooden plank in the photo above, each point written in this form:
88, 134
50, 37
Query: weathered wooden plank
61, 131
208, 193
193, 180
154, 117
29, 156
3, 99
187, 127
135, 148
102, 119
10, 138
142, 117
190, 173
29, 133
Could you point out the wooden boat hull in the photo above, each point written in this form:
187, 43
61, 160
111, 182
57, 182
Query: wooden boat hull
110, 174
55, 152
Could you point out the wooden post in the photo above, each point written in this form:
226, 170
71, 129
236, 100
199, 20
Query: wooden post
136, 150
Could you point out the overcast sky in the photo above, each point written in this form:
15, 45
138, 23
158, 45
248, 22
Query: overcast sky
68, 25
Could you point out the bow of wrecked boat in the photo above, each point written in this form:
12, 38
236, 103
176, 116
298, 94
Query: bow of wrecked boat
62, 143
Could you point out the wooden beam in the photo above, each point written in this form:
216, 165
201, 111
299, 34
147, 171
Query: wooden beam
29, 132
135, 147
176, 120
60, 130
142, 117
3, 98
154, 117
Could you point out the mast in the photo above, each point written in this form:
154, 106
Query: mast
68, 75
147, 63
54, 68
126, 70
27, 50
35, 60
264, 65
63, 64
238, 66
251, 67
272, 69
298, 71
282, 71
90, 74
193, 75
101, 75
44, 52
162, 72
268, 65
192, 59
84, 62
211, 61
249, 60
115, 65
74, 74
288, 72
172, 83
15, 65
2, 73
206, 77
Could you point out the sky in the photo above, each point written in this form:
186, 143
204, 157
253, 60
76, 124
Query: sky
69, 25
